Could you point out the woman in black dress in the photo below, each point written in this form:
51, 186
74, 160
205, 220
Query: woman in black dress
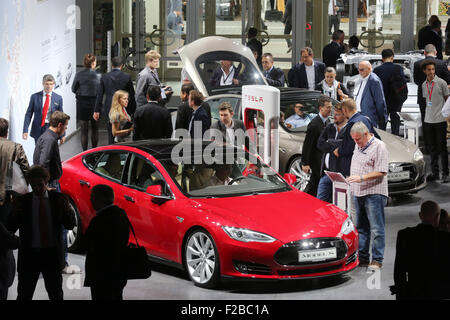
85, 86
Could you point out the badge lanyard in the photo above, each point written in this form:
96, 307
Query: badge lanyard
428, 89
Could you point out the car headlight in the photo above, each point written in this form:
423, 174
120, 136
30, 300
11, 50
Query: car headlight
418, 155
246, 235
347, 227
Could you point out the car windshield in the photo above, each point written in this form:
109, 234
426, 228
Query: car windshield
244, 174
222, 70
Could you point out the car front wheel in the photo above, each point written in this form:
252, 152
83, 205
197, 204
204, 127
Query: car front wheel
295, 168
202, 259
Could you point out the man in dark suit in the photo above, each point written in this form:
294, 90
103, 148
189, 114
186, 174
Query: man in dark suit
105, 241
370, 96
225, 75
152, 121
422, 258
385, 72
184, 113
274, 76
431, 34
420, 77
311, 155
332, 51
109, 84
40, 217
254, 44
308, 72
42, 105
231, 130
344, 152
200, 120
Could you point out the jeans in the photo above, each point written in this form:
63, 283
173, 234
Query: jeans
370, 219
325, 189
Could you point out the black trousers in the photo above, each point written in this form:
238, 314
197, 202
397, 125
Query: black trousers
395, 122
39, 261
435, 136
313, 184
85, 133
3, 292
109, 291
287, 31
333, 21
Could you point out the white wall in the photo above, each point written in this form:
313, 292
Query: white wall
36, 37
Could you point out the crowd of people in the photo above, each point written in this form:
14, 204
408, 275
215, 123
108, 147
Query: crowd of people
349, 145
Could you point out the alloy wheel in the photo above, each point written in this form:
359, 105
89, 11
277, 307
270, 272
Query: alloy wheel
295, 168
201, 259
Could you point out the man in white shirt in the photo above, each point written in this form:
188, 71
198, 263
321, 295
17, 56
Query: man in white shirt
308, 72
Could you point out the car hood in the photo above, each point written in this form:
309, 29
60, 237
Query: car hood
400, 150
190, 52
286, 216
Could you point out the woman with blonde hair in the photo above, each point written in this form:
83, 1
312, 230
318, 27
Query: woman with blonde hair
119, 118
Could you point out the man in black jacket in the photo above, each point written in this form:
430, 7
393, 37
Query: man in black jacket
332, 51
385, 72
40, 217
109, 84
274, 76
152, 121
420, 77
422, 258
200, 120
254, 44
106, 240
431, 34
311, 155
184, 113
231, 130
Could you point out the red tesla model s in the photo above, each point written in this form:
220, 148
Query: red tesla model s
215, 211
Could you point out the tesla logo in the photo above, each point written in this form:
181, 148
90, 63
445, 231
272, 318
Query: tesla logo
180, 220
254, 98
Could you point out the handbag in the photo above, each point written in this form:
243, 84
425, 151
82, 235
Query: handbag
136, 263
15, 179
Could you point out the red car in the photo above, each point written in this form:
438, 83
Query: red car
235, 220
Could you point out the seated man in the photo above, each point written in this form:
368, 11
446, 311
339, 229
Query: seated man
226, 75
221, 176
299, 118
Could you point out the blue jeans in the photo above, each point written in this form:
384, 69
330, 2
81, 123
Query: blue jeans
370, 219
325, 189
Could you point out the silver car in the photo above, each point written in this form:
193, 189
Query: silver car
202, 57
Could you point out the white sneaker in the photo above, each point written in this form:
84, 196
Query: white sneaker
374, 266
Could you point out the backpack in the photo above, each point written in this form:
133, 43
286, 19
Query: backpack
398, 91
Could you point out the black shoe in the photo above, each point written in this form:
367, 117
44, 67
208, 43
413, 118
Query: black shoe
432, 177
445, 179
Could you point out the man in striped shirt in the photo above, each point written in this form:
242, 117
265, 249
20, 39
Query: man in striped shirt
369, 186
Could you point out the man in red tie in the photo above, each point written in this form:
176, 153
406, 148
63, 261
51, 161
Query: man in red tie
42, 105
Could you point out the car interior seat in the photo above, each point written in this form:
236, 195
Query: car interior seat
112, 168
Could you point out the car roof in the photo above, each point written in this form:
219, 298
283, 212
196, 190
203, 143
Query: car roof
161, 149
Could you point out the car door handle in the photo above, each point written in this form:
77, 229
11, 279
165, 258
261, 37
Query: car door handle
85, 183
128, 198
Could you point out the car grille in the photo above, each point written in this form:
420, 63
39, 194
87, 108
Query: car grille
288, 254
299, 272
352, 258
252, 268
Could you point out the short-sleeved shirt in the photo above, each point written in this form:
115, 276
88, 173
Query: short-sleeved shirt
433, 113
373, 157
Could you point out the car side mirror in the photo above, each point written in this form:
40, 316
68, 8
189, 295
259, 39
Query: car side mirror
290, 178
158, 196
155, 190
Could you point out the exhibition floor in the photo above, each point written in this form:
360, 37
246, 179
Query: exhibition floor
168, 284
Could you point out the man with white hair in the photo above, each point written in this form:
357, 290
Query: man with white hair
370, 96
369, 186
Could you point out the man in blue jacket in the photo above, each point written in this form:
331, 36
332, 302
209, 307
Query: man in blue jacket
370, 96
42, 105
